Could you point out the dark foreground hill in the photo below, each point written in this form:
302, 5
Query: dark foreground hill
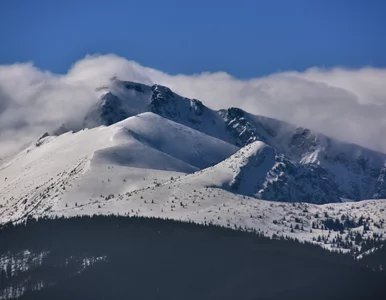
106, 257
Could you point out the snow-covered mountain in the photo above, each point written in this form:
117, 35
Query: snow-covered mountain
309, 166
148, 151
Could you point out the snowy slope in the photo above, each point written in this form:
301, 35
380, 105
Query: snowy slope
245, 172
183, 200
191, 146
136, 148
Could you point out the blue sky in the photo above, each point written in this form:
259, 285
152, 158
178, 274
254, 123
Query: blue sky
244, 38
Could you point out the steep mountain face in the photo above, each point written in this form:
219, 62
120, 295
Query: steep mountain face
380, 185
109, 111
352, 171
121, 100
259, 171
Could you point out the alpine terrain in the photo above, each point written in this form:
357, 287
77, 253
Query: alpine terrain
146, 152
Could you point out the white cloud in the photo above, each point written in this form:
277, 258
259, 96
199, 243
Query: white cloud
346, 104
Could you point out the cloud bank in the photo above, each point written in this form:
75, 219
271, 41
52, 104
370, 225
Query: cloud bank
346, 104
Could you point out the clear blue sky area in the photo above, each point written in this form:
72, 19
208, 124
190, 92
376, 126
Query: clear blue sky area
245, 38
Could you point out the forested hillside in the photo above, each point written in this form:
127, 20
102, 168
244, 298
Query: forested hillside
109, 257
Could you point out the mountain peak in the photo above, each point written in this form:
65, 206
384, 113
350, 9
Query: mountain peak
161, 90
130, 85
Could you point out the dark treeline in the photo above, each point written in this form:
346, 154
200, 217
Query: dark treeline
375, 260
149, 258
